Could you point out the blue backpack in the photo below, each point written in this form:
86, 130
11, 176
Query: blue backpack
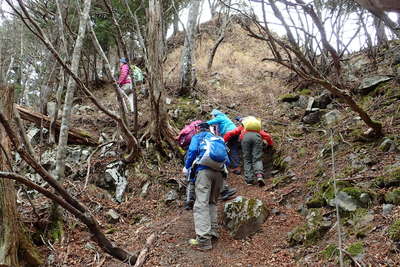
215, 153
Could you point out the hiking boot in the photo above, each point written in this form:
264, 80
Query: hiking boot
214, 235
227, 193
201, 244
189, 205
236, 170
250, 182
260, 180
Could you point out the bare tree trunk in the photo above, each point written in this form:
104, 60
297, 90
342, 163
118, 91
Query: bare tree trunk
76, 56
213, 4
176, 24
380, 31
187, 75
13, 243
64, 53
225, 23
8, 200
159, 129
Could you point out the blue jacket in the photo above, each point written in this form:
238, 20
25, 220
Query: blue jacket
194, 151
224, 123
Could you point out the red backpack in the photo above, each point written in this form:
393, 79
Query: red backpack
186, 134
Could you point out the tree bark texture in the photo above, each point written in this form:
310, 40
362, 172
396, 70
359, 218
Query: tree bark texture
159, 128
8, 216
380, 31
15, 248
76, 56
61, 11
187, 75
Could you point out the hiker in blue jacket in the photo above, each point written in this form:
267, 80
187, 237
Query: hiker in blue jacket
226, 192
208, 184
224, 125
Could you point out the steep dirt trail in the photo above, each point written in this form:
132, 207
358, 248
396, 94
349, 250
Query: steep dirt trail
265, 248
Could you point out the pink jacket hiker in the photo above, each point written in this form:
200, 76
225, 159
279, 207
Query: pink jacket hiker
124, 75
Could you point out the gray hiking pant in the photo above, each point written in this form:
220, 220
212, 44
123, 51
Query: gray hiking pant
208, 186
252, 148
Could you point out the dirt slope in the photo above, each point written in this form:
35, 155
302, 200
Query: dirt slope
239, 84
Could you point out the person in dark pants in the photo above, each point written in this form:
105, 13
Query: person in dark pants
224, 125
184, 139
252, 149
208, 184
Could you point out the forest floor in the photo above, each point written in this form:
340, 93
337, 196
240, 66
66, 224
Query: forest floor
242, 88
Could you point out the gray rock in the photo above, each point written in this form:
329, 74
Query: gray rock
365, 198
387, 145
232, 105
323, 100
275, 211
113, 173
244, 217
112, 216
302, 102
368, 84
312, 118
171, 196
51, 108
345, 201
51, 260
74, 155
332, 117
85, 109
387, 209
310, 104
89, 245
34, 135
85, 153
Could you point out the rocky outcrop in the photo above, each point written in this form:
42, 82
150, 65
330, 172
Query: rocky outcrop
244, 217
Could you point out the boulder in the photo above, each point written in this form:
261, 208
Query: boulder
113, 173
323, 100
311, 231
289, 98
312, 118
170, 197
244, 217
344, 201
387, 145
34, 135
370, 83
51, 108
302, 102
145, 190
393, 197
387, 209
332, 117
112, 216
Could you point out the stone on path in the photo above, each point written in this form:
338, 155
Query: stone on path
244, 217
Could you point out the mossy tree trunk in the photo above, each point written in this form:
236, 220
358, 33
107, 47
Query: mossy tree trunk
15, 248
160, 129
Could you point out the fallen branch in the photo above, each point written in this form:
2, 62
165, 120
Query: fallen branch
143, 253
75, 136
149, 242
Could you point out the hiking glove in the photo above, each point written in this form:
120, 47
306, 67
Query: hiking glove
185, 171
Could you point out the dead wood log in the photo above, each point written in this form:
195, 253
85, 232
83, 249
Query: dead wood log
75, 136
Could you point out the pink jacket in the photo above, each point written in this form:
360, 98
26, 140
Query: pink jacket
124, 75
